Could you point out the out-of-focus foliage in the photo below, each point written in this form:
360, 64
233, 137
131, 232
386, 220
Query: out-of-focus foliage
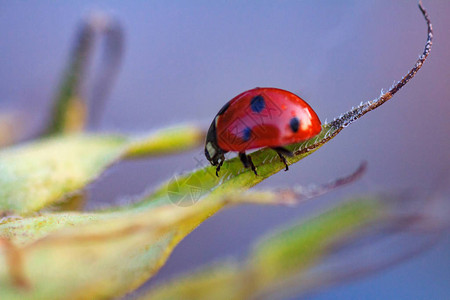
302, 257
39, 174
10, 128
90, 255
120, 248
70, 110
276, 260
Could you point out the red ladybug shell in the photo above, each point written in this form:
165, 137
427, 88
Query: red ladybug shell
265, 117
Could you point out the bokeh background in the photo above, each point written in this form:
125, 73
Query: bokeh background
185, 59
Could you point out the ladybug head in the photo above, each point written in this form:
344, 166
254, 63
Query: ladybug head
212, 150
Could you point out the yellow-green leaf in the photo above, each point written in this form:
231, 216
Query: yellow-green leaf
137, 241
87, 255
39, 174
276, 260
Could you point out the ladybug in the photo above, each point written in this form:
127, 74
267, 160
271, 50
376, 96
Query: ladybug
261, 117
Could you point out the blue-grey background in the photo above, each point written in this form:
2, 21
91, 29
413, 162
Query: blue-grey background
184, 59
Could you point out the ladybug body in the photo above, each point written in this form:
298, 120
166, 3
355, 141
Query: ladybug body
261, 117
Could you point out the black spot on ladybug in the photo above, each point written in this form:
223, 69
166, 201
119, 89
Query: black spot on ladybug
246, 134
257, 103
223, 109
294, 123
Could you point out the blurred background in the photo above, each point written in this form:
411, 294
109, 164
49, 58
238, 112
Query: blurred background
184, 59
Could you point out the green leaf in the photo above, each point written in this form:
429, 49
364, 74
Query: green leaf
233, 176
301, 246
40, 174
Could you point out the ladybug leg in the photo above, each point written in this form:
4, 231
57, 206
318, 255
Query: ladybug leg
222, 160
218, 167
282, 152
252, 165
247, 161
